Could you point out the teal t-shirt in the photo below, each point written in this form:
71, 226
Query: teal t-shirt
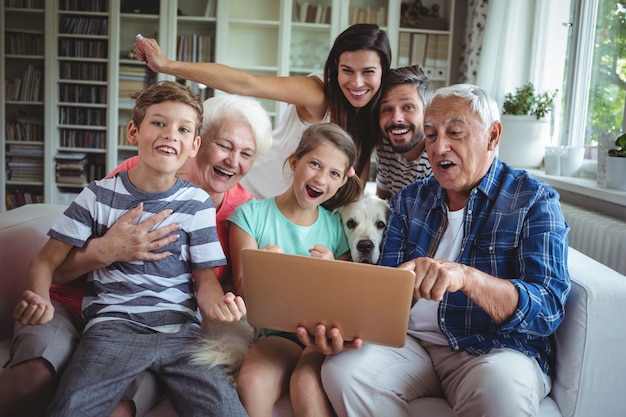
262, 220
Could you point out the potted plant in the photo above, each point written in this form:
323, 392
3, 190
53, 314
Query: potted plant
525, 126
616, 164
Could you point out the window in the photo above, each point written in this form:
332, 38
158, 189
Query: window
595, 75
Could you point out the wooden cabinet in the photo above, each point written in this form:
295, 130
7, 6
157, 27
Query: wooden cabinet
74, 64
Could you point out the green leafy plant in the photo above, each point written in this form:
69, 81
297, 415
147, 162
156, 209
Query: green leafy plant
620, 151
527, 102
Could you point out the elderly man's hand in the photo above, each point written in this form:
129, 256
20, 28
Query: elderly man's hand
433, 277
327, 343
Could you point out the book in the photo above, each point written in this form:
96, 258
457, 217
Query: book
418, 49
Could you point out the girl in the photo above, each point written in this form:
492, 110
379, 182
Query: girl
347, 95
298, 221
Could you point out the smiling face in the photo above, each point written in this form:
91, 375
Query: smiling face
360, 76
165, 140
459, 148
401, 120
227, 154
318, 175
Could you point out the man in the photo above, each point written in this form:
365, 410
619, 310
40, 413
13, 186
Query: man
488, 245
401, 158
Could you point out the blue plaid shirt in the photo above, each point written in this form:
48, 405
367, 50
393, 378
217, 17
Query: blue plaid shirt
514, 229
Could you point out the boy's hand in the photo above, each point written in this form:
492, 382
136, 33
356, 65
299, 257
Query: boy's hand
230, 308
33, 309
321, 251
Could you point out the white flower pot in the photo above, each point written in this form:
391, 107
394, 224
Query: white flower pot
616, 172
523, 140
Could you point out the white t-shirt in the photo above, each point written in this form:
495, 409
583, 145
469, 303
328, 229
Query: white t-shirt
423, 320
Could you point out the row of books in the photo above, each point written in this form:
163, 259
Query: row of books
24, 44
430, 51
24, 163
82, 71
84, 25
133, 78
26, 88
18, 198
24, 129
84, 5
310, 13
25, 150
71, 93
71, 138
24, 169
122, 136
71, 168
82, 116
83, 48
24, 4
376, 15
194, 48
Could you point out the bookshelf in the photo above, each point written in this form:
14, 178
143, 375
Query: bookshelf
425, 37
23, 101
83, 36
83, 53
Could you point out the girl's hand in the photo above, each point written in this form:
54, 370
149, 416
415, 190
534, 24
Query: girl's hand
321, 251
272, 248
327, 341
230, 308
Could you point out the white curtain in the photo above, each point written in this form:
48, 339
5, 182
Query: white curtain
524, 40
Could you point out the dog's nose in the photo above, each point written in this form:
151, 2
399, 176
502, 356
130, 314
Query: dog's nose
365, 246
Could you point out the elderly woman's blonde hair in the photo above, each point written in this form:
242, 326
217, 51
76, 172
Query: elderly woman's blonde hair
242, 109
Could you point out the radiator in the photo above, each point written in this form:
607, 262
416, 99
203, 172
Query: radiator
600, 237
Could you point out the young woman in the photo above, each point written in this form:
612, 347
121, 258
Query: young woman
298, 221
347, 95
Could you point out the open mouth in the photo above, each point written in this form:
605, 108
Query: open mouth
358, 93
446, 165
398, 130
167, 149
313, 192
223, 173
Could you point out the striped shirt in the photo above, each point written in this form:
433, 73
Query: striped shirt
156, 294
513, 229
394, 172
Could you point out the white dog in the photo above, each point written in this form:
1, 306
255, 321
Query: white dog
224, 344
364, 222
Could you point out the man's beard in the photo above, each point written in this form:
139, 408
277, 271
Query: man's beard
403, 147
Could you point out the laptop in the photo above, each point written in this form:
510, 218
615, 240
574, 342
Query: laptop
283, 292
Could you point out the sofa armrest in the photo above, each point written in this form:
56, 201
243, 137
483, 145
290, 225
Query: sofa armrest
22, 234
590, 365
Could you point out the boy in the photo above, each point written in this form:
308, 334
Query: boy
142, 315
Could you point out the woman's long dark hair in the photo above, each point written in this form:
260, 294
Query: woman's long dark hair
361, 125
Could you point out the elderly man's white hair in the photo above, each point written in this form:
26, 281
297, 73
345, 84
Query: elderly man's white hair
242, 109
480, 101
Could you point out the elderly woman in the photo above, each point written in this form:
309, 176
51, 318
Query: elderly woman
234, 130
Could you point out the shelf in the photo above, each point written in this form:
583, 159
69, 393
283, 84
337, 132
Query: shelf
262, 37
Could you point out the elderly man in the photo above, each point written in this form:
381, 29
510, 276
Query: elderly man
401, 157
488, 245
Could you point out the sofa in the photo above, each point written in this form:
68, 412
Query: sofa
590, 367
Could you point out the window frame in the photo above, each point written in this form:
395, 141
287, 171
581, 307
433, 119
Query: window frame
578, 72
